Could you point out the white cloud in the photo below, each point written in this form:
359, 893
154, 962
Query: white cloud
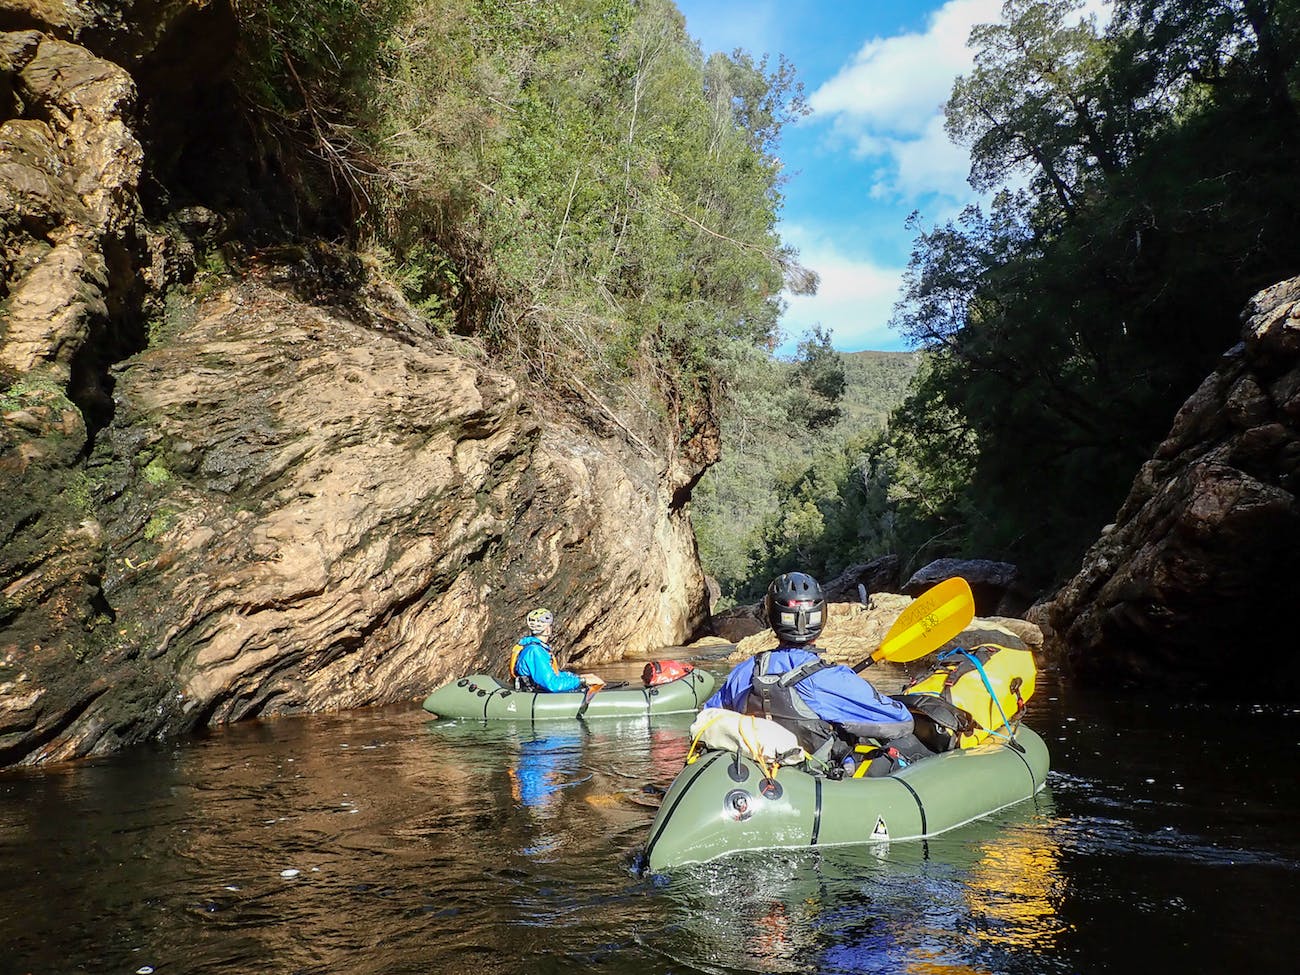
898, 84
885, 108
1101, 9
887, 103
929, 163
854, 302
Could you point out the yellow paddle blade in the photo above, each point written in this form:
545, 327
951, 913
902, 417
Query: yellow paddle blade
934, 618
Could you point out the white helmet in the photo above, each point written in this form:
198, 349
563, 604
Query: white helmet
540, 620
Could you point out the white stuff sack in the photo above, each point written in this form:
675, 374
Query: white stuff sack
729, 731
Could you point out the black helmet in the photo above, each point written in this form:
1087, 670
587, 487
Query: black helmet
796, 607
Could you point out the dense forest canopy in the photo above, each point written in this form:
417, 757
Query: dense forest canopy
1141, 186
1145, 188
574, 184
803, 481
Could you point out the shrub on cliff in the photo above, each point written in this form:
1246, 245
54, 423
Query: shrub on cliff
570, 181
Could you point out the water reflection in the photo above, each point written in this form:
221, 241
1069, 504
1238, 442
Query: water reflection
425, 848
541, 767
557, 775
983, 898
1016, 884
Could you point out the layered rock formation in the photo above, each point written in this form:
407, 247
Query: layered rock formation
1193, 582
340, 514
282, 493
294, 510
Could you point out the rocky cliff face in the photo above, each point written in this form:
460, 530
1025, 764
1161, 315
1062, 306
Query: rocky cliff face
1193, 583
280, 493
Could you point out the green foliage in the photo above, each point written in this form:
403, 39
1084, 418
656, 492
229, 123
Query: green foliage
306, 70
78, 490
1036, 103
840, 509
736, 493
311, 55
571, 182
574, 185
427, 277
875, 383
819, 381
35, 389
786, 494
158, 524
1073, 318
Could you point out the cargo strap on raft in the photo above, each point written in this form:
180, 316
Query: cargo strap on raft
871, 752
1010, 733
692, 756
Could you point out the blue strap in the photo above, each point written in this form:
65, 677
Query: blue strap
988, 686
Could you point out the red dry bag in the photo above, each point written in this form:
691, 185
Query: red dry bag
662, 671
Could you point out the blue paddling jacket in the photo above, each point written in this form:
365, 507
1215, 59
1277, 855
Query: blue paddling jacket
834, 692
533, 667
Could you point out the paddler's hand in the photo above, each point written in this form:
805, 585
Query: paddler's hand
591, 680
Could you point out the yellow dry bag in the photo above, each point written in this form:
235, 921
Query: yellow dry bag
990, 683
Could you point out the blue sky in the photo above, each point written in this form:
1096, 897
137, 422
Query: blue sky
876, 74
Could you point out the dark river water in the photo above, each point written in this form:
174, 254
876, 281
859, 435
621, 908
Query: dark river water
381, 842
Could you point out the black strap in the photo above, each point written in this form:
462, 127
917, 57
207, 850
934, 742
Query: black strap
802, 672
689, 776
817, 810
939, 710
920, 806
965, 665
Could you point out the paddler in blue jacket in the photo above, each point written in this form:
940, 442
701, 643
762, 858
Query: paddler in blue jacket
827, 706
532, 662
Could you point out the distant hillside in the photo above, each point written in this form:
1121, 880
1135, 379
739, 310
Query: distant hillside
737, 499
877, 383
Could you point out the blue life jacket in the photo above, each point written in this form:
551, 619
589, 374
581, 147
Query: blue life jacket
533, 668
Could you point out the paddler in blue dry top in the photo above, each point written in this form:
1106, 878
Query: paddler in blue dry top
827, 706
532, 662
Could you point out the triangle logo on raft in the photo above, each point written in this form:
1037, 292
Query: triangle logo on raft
881, 832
